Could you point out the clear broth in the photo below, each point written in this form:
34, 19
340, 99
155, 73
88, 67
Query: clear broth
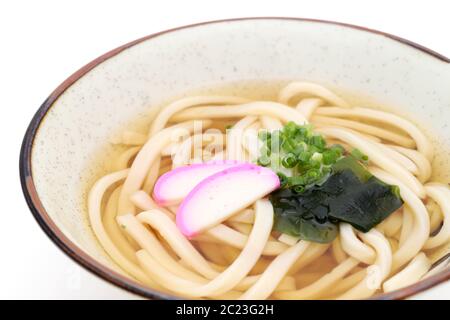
268, 90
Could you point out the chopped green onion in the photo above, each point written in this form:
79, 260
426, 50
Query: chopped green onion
289, 161
304, 157
299, 189
297, 180
338, 149
318, 142
329, 157
317, 156
263, 160
263, 135
265, 151
312, 174
299, 154
283, 179
290, 129
358, 155
288, 145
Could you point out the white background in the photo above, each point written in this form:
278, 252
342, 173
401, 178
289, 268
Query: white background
43, 42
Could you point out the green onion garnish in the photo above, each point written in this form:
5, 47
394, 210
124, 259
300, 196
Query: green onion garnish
300, 155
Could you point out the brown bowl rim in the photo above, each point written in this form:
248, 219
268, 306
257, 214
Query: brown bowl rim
100, 270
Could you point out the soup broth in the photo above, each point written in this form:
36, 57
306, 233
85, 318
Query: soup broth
146, 237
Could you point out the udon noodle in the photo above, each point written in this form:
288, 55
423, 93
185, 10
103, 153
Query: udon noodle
242, 257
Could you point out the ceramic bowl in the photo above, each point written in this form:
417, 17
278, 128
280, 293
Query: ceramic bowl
59, 155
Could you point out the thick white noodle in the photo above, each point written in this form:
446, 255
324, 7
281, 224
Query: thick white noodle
243, 258
235, 138
168, 111
440, 194
376, 156
271, 123
233, 274
308, 106
294, 89
257, 108
317, 288
353, 246
421, 230
275, 272
144, 159
409, 274
375, 273
95, 218
423, 145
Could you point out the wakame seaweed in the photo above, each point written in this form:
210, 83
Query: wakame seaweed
303, 215
350, 194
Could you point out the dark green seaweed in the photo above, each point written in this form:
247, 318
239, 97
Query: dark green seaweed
350, 194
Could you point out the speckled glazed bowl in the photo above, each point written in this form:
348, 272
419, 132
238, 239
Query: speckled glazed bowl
81, 115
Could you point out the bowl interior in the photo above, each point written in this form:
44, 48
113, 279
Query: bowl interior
132, 84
